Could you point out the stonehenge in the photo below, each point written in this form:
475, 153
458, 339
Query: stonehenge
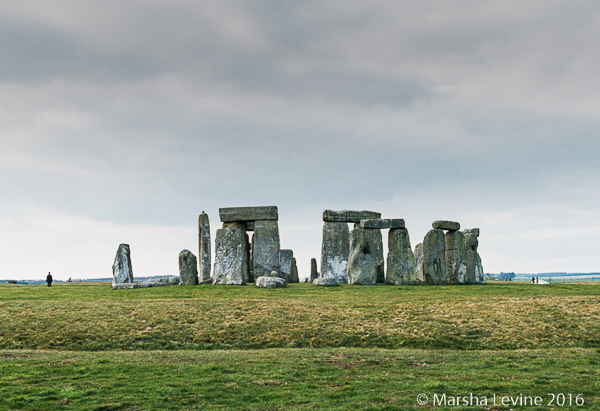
122, 271
204, 247
401, 267
188, 268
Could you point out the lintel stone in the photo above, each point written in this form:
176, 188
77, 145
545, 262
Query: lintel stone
383, 224
243, 214
349, 216
446, 225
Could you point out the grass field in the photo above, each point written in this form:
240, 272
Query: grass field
85, 346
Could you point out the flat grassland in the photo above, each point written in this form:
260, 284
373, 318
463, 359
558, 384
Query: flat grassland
84, 346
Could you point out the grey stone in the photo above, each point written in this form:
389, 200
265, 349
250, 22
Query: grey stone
313, 269
285, 263
163, 281
204, 247
335, 250
270, 282
265, 248
188, 268
446, 225
229, 256
365, 263
349, 216
456, 266
475, 273
420, 263
207, 281
122, 271
248, 213
237, 225
472, 231
325, 282
152, 282
434, 257
249, 225
400, 260
294, 279
383, 224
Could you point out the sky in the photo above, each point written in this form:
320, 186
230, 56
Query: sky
121, 121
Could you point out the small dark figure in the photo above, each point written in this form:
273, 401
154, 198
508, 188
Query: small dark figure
537, 280
532, 280
49, 279
69, 280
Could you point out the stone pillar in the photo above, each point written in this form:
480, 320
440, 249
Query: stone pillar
434, 257
230, 257
285, 263
265, 248
188, 268
400, 259
364, 260
122, 271
294, 279
335, 250
313, 269
456, 267
204, 247
420, 263
474, 270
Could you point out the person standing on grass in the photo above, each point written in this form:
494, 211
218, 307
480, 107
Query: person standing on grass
49, 279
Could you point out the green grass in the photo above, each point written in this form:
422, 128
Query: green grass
87, 347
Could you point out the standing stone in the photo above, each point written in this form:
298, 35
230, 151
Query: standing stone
204, 247
265, 248
475, 274
456, 266
188, 268
400, 259
294, 274
313, 269
446, 225
471, 231
122, 271
229, 256
434, 257
379, 255
285, 263
335, 250
363, 262
420, 263
237, 225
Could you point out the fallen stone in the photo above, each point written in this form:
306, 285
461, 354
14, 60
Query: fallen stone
434, 257
248, 213
313, 269
446, 225
152, 282
335, 250
285, 264
364, 261
382, 224
419, 263
204, 247
294, 279
207, 281
122, 271
472, 231
265, 248
325, 282
174, 280
400, 260
348, 216
456, 267
229, 256
188, 268
270, 282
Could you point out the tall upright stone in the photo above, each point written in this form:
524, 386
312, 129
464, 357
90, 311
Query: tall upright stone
237, 225
379, 255
313, 269
122, 271
363, 262
230, 252
420, 264
294, 279
188, 268
335, 250
400, 260
434, 257
456, 266
285, 263
204, 247
474, 271
265, 248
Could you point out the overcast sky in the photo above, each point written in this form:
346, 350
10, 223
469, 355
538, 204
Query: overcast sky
121, 121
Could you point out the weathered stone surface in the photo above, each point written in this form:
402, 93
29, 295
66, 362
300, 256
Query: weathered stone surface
400, 260
248, 213
446, 225
325, 282
270, 282
188, 268
207, 281
238, 225
313, 269
204, 247
164, 280
472, 231
294, 279
265, 248
229, 256
285, 264
383, 224
349, 216
456, 266
152, 282
122, 271
420, 263
365, 263
474, 271
335, 250
434, 257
